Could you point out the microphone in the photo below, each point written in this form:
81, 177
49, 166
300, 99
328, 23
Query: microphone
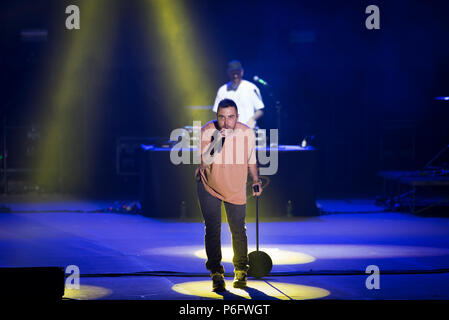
220, 146
261, 81
216, 142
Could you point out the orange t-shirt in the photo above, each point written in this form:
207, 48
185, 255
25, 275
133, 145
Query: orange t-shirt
225, 178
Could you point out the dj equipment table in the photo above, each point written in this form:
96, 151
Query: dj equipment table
169, 190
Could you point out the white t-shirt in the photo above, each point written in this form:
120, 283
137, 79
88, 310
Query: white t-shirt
247, 97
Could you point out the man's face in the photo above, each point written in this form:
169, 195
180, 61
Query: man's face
227, 118
235, 75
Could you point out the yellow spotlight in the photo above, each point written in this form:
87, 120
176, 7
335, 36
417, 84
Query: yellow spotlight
278, 256
255, 290
73, 89
87, 293
180, 52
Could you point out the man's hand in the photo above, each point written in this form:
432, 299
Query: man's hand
257, 183
226, 133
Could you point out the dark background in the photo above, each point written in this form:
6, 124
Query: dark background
368, 96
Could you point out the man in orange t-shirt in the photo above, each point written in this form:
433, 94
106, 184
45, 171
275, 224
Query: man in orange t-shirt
228, 152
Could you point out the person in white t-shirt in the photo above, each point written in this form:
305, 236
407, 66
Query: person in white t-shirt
244, 93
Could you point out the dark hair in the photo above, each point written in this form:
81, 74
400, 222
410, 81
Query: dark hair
226, 103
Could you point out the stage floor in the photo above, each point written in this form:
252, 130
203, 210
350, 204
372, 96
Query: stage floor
126, 256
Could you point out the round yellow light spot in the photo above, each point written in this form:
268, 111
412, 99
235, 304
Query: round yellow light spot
86, 293
257, 289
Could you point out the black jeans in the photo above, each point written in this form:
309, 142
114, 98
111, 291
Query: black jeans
211, 210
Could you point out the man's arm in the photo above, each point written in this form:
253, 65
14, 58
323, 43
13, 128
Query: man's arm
207, 146
252, 163
253, 171
252, 121
204, 145
257, 115
207, 156
258, 105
